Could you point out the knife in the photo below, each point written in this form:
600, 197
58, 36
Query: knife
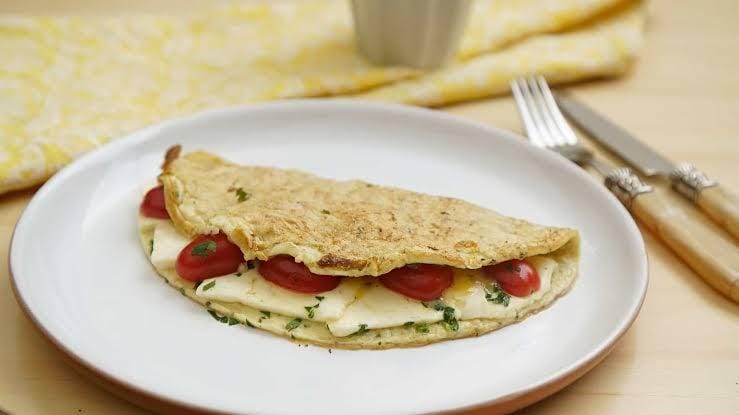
714, 200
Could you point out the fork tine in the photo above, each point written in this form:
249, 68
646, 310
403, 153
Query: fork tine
531, 128
558, 121
543, 135
555, 138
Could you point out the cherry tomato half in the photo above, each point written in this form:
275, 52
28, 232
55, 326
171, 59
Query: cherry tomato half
153, 204
208, 256
516, 277
285, 272
423, 282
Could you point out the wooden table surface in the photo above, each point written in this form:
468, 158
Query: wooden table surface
681, 356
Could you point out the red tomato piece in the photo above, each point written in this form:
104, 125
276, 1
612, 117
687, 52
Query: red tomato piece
153, 204
208, 256
516, 277
423, 282
285, 272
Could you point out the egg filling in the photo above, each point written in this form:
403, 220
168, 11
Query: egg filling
357, 302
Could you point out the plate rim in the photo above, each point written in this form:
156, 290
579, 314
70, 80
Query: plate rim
509, 402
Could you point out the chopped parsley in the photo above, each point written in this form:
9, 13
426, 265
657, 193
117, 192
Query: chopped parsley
311, 310
209, 285
267, 314
151, 246
293, 324
325, 211
320, 297
422, 328
361, 330
224, 319
436, 305
248, 323
238, 274
241, 195
407, 324
450, 321
497, 296
204, 249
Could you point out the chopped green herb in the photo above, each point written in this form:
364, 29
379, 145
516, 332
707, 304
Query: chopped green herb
248, 323
325, 212
422, 328
209, 285
361, 330
151, 246
450, 321
320, 297
497, 296
232, 321
241, 195
407, 324
293, 324
311, 310
266, 313
438, 306
238, 274
222, 319
204, 249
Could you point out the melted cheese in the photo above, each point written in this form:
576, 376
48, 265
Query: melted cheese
253, 290
167, 245
147, 224
467, 293
377, 307
356, 302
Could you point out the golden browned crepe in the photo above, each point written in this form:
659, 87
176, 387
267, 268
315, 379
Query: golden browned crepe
342, 227
349, 228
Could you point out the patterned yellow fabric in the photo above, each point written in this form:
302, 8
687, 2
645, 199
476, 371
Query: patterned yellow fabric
68, 84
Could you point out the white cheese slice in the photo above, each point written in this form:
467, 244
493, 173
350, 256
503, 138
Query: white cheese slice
467, 293
146, 224
377, 307
167, 245
253, 290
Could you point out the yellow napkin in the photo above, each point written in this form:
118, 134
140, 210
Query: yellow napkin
68, 84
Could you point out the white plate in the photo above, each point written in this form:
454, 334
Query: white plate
80, 274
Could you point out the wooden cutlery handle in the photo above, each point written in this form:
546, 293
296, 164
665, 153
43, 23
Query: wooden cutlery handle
712, 255
721, 206
718, 203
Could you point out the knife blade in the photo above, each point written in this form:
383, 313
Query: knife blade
715, 201
616, 139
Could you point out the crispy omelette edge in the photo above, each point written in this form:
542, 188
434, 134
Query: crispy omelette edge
317, 333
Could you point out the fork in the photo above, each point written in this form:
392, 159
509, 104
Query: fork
702, 250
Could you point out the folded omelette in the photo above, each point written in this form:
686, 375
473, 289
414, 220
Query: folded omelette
360, 236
